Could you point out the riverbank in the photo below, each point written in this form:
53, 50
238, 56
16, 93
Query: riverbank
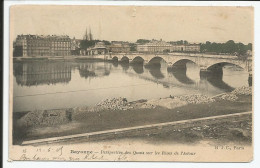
59, 58
220, 129
119, 113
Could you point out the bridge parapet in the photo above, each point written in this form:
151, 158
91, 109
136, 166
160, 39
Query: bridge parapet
203, 61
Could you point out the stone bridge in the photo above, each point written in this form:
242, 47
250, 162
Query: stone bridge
205, 62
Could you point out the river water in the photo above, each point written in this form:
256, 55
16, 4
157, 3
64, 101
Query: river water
68, 84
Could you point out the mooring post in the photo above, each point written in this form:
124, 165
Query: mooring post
250, 78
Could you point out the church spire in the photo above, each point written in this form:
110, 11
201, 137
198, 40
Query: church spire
86, 35
90, 35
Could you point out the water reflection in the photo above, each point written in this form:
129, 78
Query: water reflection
115, 63
92, 69
155, 71
40, 73
135, 82
124, 65
214, 76
138, 68
180, 74
216, 79
86, 73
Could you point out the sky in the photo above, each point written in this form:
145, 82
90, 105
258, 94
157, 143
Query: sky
129, 23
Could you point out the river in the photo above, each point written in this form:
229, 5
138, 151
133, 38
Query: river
68, 84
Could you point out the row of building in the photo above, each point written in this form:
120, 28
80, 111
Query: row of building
101, 48
35, 45
42, 73
153, 46
162, 46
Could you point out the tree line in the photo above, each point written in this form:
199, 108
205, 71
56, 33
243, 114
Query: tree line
230, 47
84, 44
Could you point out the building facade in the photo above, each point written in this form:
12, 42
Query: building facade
192, 47
99, 48
185, 48
156, 46
34, 45
119, 47
75, 46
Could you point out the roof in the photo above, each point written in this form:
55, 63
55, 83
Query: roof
29, 36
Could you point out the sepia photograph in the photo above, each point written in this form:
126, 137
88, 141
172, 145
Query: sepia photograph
131, 83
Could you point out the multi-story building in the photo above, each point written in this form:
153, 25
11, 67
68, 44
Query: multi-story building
185, 48
99, 48
34, 45
178, 48
156, 46
75, 46
119, 47
192, 47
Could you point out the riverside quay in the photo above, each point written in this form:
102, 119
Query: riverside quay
35, 45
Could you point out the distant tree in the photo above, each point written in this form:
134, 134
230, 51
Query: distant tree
249, 46
208, 43
142, 41
166, 51
230, 47
84, 44
179, 42
205, 47
241, 49
106, 42
132, 47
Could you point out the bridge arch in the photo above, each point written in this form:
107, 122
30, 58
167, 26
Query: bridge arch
220, 65
115, 58
156, 60
178, 68
125, 59
214, 74
156, 73
182, 63
137, 60
138, 68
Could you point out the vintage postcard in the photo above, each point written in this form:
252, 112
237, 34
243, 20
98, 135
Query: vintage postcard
131, 83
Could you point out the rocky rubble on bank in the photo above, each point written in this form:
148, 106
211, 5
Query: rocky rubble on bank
46, 117
243, 91
60, 116
114, 104
169, 103
229, 97
232, 96
196, 99
177, 101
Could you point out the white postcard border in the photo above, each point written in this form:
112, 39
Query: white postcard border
19, 164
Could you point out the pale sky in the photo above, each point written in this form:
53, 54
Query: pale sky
129, 23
